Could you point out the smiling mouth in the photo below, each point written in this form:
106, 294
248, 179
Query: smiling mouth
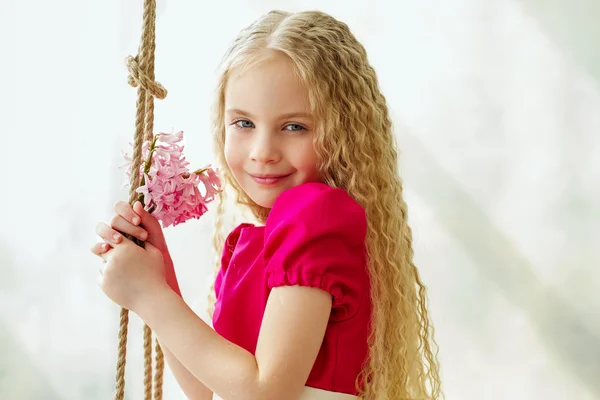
268, 179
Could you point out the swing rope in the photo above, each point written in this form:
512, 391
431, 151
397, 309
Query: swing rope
141, 75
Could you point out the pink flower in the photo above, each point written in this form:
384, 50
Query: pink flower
211, 183
169, 191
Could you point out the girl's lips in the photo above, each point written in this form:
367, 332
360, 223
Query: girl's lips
268, 179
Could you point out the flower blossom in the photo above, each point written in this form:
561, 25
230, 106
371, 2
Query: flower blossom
167, 189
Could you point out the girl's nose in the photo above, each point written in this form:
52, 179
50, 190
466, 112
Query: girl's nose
265, 149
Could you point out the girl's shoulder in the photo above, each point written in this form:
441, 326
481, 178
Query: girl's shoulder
315, 236
318, 206
313, 205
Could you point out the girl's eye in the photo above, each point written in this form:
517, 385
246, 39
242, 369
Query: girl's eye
294, 127
244, 124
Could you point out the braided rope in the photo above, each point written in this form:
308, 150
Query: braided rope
141, 75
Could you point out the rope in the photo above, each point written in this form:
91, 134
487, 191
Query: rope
141, 75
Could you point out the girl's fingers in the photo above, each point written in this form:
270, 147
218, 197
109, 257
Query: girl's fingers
148, 221
151, 225
100, 248
108, 234
123, 209
120, 224
138, 208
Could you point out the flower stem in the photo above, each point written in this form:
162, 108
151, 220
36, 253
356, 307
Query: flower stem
147, 165
197, 172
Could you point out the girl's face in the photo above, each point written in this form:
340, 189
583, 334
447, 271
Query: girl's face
269, 130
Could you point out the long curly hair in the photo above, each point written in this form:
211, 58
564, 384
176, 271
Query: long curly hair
357, 151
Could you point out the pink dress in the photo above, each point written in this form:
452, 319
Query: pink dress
314, 236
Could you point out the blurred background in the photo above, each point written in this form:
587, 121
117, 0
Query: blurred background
497, 111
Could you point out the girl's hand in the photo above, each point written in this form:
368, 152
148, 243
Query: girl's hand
132, 274
137, 222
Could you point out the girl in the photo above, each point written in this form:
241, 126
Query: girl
321, 300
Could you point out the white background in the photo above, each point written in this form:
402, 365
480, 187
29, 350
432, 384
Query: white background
497, 111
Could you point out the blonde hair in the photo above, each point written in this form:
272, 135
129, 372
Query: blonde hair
357, 150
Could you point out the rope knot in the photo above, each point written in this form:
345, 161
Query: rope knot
137, 77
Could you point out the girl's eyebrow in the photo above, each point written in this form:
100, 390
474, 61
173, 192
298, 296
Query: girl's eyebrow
298, 114
238, 111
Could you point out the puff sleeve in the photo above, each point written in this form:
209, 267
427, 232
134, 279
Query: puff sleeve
315, 237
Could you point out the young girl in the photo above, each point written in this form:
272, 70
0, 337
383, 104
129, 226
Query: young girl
321, 300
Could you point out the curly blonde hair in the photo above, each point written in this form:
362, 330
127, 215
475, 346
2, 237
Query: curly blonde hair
357, 152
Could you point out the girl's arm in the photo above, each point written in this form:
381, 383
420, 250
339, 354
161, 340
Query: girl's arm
192, 387
291, 334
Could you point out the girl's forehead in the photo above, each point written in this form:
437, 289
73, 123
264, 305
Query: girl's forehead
266, 88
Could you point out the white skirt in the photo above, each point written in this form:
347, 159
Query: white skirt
310, 393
